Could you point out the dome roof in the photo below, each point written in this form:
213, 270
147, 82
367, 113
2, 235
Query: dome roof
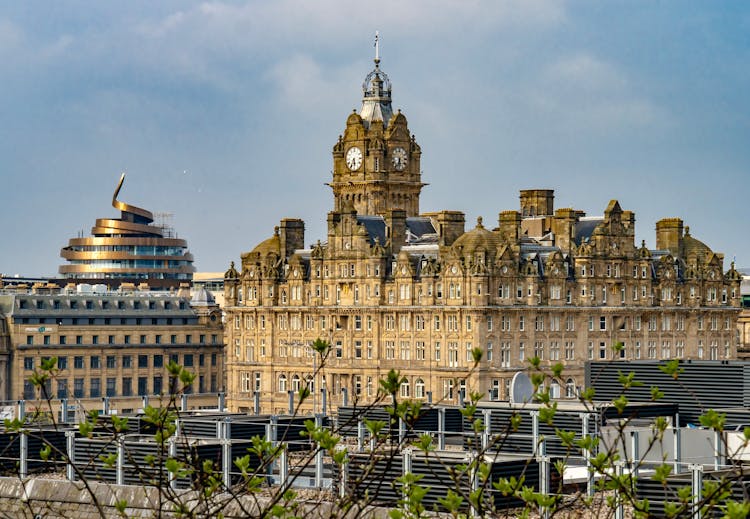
201, 296
475, 239
693, 247
272, 244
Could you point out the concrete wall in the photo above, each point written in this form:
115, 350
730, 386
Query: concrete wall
60, 498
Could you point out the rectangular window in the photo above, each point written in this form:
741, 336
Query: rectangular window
539, 323
158, 385
127, 361
78, 388
570, 324
390, 350
521, 323
187, 360
158, 361
127, 386
437, 351
505, 354
95, 387
62, 388
94, 362
63, 339
111, 361
570, 350
142, 386
505, 323
142, 361
78, 362
28, 363
111, 386
405, 350
62, 363
602, 323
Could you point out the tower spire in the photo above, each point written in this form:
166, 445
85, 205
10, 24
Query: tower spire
377, 48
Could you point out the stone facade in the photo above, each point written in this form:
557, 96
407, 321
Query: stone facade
390, 288
111, 344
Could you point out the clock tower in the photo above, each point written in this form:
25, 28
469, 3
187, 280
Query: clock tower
376, 160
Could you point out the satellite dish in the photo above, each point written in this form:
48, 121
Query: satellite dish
521, 388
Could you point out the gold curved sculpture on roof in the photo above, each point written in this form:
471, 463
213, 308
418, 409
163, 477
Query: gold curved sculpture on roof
128, 249
127, 208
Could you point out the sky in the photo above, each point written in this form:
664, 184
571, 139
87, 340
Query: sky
224, 114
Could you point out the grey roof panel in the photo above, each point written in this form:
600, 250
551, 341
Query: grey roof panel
419, 226
584, 228
375, 227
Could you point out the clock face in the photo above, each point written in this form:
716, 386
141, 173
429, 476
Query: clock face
354, 158
399, 158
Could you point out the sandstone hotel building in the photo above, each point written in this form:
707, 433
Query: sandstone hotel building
393, 287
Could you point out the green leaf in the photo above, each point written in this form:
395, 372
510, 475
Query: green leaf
45, 452
713, 420
661, 473
49, 363
620, 403
736, 509
121, 505
672, 368
320, 346
476, 355
628, 381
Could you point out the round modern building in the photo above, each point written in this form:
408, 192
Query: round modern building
130, 249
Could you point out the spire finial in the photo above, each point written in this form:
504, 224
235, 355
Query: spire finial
377, 48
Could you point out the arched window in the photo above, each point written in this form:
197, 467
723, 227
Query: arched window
452, 290
570, 388
310, 383
282, 383
419, 388
295, 383
405, 389
554, 389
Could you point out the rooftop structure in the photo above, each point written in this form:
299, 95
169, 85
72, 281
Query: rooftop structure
391, 287
129, 249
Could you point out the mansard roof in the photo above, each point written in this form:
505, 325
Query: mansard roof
419, 229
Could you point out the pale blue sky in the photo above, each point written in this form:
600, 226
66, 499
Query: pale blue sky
225, 113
